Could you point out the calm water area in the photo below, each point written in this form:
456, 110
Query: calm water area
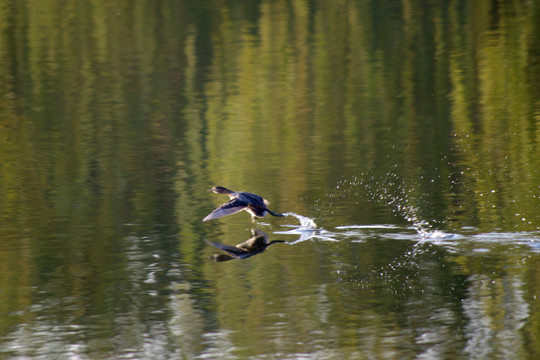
401, 139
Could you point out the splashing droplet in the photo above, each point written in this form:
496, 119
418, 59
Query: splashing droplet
305, 222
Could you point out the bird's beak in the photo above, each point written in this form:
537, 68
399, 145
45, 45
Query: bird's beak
210, 190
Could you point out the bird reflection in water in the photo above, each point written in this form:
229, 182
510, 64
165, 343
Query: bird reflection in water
254, 245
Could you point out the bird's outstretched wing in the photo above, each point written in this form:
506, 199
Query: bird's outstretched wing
229, 208
231, 250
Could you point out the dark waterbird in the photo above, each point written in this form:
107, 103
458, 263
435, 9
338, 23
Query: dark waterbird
254, 245
253, 204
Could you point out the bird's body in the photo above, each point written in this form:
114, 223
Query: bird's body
254, 245
253, 204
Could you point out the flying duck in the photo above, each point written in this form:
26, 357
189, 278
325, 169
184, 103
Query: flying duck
253, 204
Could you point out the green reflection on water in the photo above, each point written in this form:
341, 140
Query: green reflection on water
116, 117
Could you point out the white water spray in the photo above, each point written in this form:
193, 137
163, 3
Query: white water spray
393, 192
305, 222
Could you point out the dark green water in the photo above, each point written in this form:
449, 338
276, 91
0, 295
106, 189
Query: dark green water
403, 136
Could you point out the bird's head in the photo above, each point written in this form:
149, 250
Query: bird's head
220, 190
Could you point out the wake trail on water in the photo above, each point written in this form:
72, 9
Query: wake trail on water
388, 190
392, 191
404, 200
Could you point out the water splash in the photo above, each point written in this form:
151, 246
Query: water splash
392, 191
306, 223
375, 226
307, 230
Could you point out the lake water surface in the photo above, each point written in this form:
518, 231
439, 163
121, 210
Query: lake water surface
401, 138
